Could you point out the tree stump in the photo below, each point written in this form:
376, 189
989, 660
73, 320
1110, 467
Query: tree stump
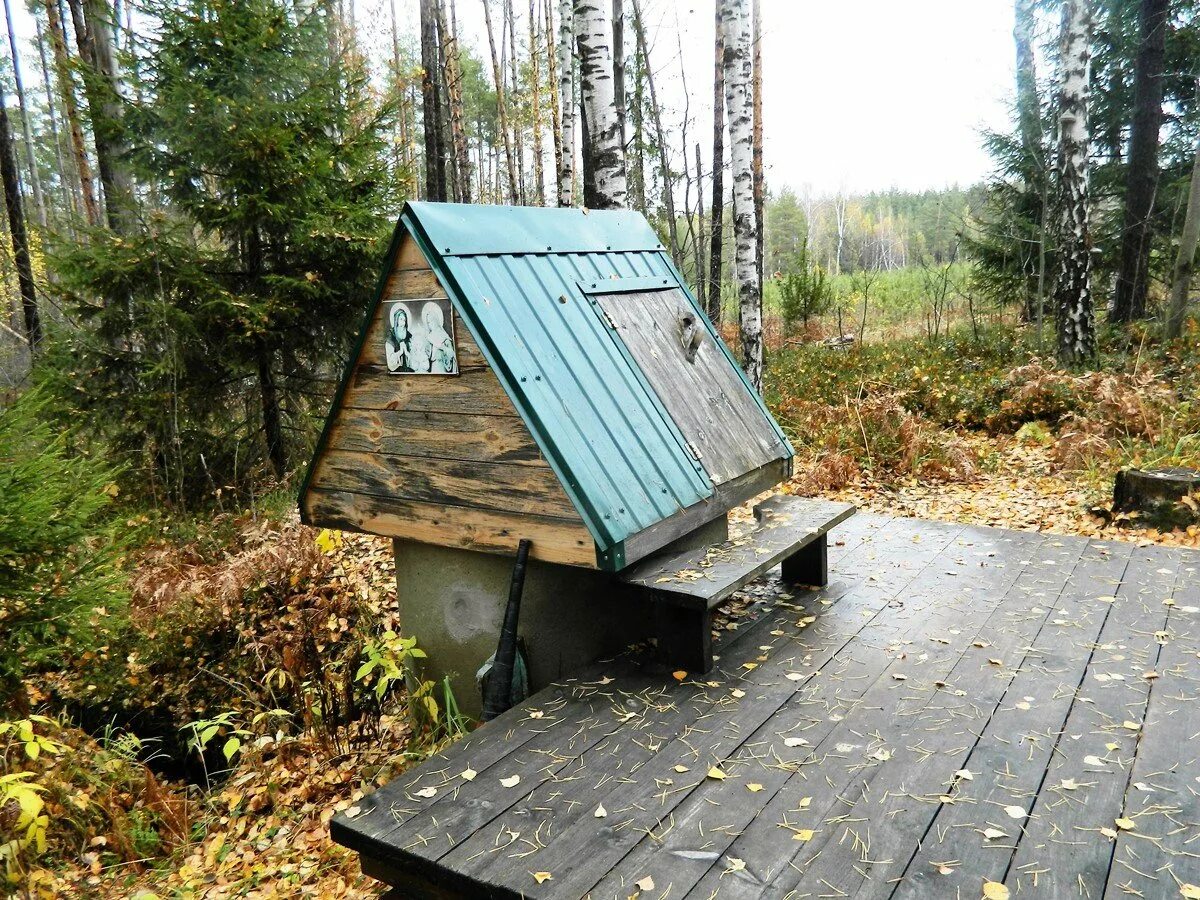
1163, 494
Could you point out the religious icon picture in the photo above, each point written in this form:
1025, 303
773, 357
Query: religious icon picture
419, 337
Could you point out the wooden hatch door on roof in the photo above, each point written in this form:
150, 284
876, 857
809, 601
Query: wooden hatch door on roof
694, 379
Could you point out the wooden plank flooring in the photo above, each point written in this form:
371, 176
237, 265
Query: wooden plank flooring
959, 705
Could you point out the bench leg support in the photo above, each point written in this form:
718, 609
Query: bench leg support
809, 565
684, 637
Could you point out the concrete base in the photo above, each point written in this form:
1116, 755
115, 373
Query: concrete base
453, 602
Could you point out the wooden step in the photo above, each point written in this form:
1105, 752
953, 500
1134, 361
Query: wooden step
702, 577
685, 584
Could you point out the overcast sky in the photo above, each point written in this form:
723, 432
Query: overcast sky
858, 94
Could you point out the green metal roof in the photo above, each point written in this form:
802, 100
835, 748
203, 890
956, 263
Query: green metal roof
520, 277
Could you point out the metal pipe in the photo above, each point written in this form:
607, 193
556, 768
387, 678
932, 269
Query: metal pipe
498, 696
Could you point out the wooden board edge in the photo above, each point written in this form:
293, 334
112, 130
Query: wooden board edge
724, 498
550, 537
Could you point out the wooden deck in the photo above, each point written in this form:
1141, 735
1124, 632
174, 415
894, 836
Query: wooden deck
959, 705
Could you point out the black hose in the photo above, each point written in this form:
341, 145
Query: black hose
498, 697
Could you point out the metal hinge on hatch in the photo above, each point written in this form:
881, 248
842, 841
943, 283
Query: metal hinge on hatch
692, 449
607, 317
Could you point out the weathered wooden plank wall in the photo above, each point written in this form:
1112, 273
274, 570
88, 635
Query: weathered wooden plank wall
443, 459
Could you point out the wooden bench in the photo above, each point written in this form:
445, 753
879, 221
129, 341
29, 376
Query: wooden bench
685, 585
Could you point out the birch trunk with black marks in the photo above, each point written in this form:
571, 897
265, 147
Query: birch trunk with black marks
1073, 300
739, 108
66, 91
565, 51
1141, 175
716, 218
10, 175
501, 105
593, 27
760, 187
1185, 259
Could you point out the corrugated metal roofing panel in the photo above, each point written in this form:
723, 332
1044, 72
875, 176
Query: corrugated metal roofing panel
457, 229
618, 453
620, 456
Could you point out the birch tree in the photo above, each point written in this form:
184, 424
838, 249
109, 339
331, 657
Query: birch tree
566, 101
1073, 291
738, 105
594, 35
760, 186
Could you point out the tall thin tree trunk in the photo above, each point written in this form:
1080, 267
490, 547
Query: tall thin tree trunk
552, 87
1073, 292
452, 74
66, 90
760, 187
93, 35
664, 162
398, 142
1141, 174
535, 105
1185, 259
605, 153
1029, 121
566, 101
431, 105
637, 150
739, 105
272, 419
716, 218
501, 106
35, 179
10, 175
587, 166
701, 271
68, 193
514, 95
618, 51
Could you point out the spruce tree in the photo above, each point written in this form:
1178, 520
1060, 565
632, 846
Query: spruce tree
270, 167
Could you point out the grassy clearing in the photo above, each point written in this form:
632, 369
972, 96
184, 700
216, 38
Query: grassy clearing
942, 411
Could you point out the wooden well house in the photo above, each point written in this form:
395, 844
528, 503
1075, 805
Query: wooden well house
545, 374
